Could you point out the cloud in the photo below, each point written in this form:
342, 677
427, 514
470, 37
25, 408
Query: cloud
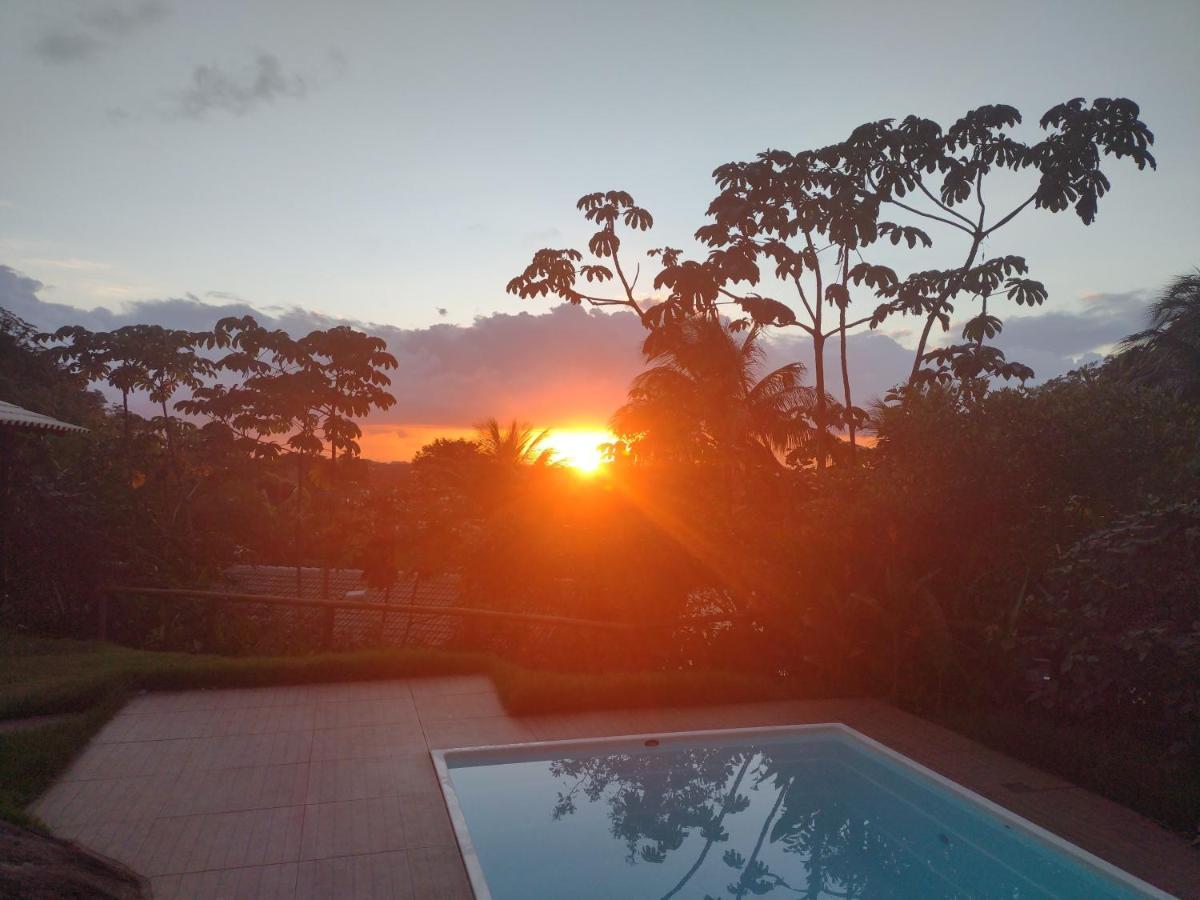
213, 89
120, 21
95, 30
1104, 320
69, 264
566, 365
66, 46
877, 362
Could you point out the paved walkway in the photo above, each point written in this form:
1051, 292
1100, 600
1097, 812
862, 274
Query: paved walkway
328, 790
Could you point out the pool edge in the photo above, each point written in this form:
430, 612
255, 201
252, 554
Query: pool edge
475, 869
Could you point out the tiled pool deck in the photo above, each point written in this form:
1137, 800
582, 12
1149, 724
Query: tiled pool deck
328, 790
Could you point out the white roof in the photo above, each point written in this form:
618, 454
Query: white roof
13, 416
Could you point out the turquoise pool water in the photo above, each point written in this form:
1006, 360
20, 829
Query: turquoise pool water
782, 814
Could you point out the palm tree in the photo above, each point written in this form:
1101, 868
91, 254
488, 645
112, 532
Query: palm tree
703, 397
518, 444
1168, 352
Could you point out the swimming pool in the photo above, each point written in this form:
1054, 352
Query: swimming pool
811, 811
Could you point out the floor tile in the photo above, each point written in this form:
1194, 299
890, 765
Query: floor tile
426, 822
477, 732
222, 840
438, 874
352, 827
358, 779
363, 741
348, 713
104, 800
277, 882
230, 790
158, 726
443, 707
377, 876
454, 684
121, 841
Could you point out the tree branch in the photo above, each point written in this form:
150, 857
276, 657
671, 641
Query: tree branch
804, 298
942, 206
628, 288
918, 212
921, 212
1012, 215
849, 325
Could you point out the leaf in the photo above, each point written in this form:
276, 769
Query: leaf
982, 327
1026, 291
765, 311
638, 218
880, 277
837, 295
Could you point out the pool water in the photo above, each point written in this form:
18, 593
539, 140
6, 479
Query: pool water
811, 812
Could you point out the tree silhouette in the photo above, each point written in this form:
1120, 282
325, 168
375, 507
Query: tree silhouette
1167, 352
167, 361
655, 805
294, 395
705, 398
932, 175
349, 368
517, 444
560, 272
791, 209
809, 217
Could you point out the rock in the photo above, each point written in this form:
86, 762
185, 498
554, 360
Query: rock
36, 865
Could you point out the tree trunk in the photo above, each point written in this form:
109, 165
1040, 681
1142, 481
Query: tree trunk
937, 308
296, 548
325, 543
169, 435
822, 411
125, 420
850, 423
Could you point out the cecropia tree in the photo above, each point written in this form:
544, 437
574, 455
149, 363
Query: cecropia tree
810, 219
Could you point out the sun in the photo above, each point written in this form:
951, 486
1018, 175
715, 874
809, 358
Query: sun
579, 448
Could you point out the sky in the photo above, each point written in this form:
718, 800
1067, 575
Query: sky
395, 164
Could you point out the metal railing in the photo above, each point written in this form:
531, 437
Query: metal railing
328, 609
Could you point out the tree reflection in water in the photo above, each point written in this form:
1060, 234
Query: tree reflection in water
654, 808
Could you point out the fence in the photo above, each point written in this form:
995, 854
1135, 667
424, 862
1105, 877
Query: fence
240, 623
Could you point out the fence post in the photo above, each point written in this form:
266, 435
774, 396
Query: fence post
328, 637
102, 616
213, 607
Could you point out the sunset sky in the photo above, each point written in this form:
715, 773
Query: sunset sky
394, 164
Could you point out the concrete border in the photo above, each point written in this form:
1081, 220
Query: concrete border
494, 753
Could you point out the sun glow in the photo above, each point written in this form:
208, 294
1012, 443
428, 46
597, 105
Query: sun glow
579, 448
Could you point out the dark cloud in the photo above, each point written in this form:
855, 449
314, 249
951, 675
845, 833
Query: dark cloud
559, 365
1104, 320
66, 46
570, 364
213, 89
877, 362
120, 21
96, 29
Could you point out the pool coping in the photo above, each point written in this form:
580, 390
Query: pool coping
497, 751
